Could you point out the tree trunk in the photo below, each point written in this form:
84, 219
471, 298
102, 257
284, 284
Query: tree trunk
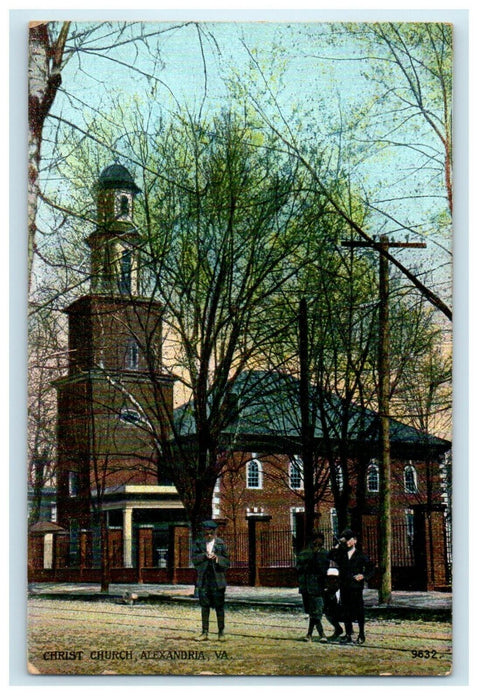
201, 509
44, 79
105, 555
37, 486
385, 523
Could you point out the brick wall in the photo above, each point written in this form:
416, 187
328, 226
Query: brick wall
276, 499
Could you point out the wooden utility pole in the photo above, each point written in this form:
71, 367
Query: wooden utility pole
385, 519
307, 432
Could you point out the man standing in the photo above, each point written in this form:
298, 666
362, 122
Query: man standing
312, 565
211, 560
354, 569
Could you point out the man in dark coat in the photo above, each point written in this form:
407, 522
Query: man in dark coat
354, 569
211, 560
312, 565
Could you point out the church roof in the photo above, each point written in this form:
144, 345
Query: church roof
267, 405
117, 176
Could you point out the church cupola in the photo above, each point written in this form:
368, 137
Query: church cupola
114, 244
116, 192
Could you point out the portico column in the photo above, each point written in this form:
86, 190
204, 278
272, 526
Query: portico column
128, 536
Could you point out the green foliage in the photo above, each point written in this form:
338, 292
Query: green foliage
230, 222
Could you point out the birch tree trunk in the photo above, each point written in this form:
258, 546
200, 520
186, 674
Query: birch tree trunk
44, 79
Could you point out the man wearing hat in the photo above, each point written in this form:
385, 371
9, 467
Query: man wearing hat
354, 569
211, 560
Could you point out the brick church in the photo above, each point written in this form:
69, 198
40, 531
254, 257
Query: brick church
107, 479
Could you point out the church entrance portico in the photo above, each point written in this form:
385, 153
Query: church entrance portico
145, 516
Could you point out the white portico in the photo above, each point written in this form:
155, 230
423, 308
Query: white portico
131, 507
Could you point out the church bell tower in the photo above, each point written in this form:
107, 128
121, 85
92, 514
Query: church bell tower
115, 397
115, 259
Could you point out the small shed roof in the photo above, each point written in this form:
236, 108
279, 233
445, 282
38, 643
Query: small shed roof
45, 527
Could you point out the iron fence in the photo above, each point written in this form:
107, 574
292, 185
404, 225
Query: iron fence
238, 548
403, 548
272, 549
277, 548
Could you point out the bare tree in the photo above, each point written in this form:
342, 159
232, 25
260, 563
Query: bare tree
266, 102
412, 67
46, 359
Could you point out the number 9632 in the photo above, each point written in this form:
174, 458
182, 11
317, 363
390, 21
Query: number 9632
424, 653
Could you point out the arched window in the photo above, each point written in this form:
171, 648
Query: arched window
410, 479
132, 355
373, 479
296, 473
339, 476
124, 205
334, 522
254, 474
125, 272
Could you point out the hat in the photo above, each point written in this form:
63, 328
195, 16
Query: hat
347, 534
209, 524
332, 571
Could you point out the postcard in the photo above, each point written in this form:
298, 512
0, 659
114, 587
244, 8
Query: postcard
240, 348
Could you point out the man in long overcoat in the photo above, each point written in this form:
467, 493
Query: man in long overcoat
354, 569
211, 561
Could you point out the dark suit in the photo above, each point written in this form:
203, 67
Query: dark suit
351, 590
211, 580
312, 568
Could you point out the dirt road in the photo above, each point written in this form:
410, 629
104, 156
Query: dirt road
74, 637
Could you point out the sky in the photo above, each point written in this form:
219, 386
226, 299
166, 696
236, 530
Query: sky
185, 70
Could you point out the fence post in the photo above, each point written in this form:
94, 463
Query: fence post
61, 549
115, 547
257, 523
35, 551
431, 545
176, 558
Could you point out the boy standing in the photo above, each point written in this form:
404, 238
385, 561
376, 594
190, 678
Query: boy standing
312, 565
332, 606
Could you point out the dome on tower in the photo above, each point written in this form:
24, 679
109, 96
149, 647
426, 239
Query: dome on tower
116, 176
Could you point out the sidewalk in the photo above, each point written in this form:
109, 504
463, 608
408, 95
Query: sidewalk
405, 604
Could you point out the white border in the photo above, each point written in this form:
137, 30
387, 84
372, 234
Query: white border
16, 177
